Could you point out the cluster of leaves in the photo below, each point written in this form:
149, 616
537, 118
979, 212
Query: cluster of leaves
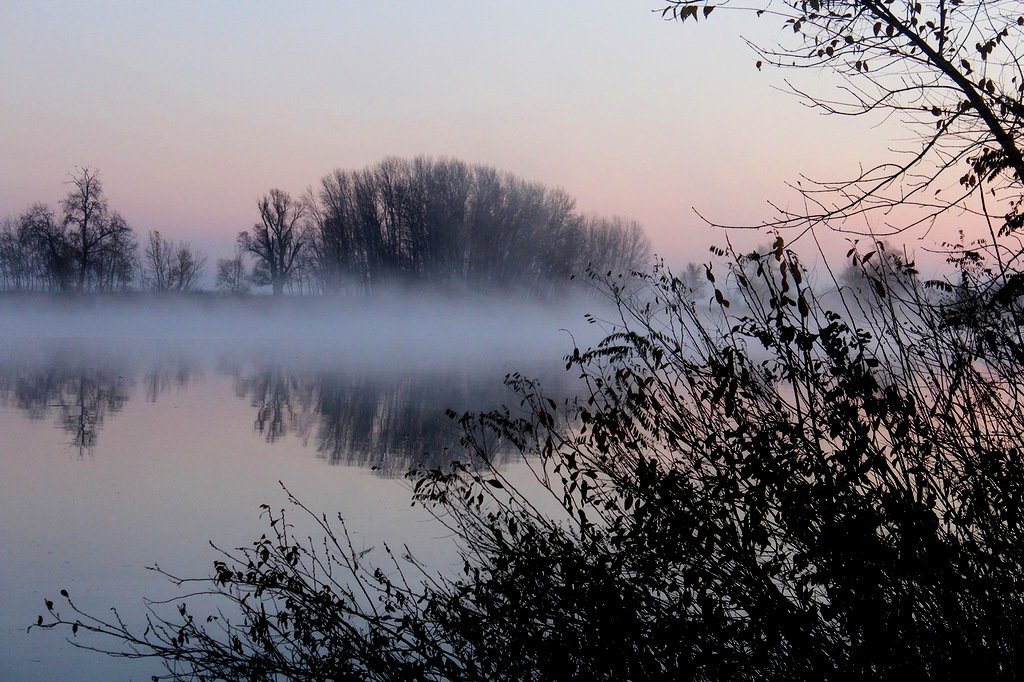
809, 488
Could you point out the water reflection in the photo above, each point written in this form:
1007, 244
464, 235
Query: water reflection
170, 373
388, 421
80, 391
354, 415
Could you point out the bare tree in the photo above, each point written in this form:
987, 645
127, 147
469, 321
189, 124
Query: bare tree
116, 259
231, 273
156, 265
13, 266
188, 267
170, 266
86, 213
95, 234
276, 240
442, 220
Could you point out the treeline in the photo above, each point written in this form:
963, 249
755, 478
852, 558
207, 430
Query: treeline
433, 221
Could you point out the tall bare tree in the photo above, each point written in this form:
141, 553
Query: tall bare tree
156, 262
95, 234
277, 240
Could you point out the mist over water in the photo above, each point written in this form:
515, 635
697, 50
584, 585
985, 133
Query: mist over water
393, 331
137, 428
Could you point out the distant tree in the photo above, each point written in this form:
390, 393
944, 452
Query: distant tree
100, 241
881, 262
616, 245
693, 280
157, 262
188, 267
17, 270
51, 245
232, 276
116, 264
169, 266
277, 240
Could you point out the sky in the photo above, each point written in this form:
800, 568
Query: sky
191, 110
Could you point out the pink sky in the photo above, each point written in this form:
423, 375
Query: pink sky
192, 109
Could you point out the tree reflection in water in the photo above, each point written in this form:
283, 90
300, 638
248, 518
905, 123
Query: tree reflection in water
80, 389
386, 419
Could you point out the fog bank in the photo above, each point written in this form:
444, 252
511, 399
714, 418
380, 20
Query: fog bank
397, 332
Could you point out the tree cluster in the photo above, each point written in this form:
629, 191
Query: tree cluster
439, 221
87, 246
421, 221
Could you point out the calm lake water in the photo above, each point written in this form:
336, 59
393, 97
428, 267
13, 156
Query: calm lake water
132, 436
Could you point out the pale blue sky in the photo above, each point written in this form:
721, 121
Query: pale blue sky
192, 109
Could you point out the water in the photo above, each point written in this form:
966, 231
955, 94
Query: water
125, 444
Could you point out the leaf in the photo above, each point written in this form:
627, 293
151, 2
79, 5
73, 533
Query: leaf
495, 483
708, 10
